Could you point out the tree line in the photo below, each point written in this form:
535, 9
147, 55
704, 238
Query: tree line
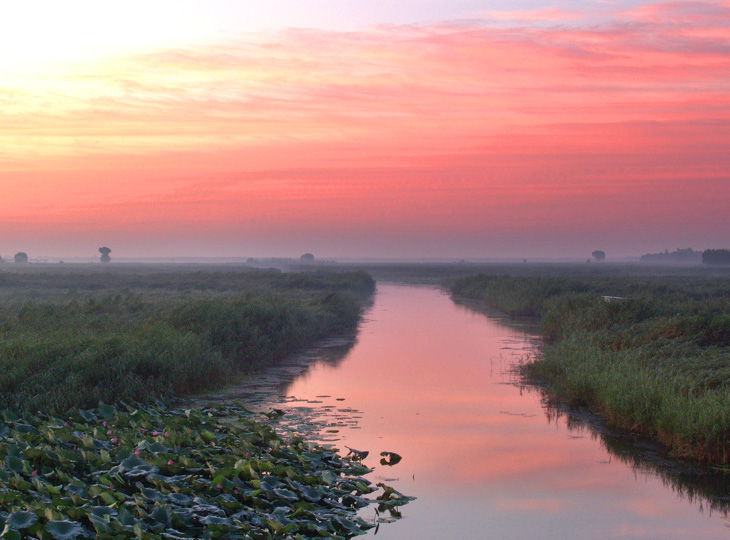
21, 257
716, 256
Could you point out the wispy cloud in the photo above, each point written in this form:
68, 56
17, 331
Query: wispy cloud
683, 13
538, 15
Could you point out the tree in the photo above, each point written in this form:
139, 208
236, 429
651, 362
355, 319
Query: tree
21, 258
105, 251
716, 256
680, 256
600, 256
307, 258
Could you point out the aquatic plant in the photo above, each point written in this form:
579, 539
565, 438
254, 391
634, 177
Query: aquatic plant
160, 472
656, 362
74, 338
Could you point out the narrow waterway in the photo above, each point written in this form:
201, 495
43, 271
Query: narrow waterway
434, 382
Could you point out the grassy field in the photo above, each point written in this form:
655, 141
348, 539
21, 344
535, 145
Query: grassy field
72, 336
656, 361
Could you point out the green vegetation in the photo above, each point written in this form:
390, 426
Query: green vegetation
654, 360
153, 472
74, 337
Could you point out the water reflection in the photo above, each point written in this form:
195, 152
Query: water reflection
435, 382
702, 486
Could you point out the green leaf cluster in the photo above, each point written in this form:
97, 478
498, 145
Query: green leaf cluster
158, 472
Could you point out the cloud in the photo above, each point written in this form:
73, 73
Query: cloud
539, 15
505, 127
683, 13
328, 85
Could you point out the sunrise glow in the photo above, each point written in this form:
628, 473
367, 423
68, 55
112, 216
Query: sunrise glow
493, 133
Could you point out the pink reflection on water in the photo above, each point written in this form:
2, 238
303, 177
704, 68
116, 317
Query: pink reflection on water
432, 382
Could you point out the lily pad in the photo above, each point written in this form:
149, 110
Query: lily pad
64, 530
133, 467
21, 520
15, 464
250, 482
87, 415
286, 494
180, 499
390, 458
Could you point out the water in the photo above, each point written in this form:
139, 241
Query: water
434, 382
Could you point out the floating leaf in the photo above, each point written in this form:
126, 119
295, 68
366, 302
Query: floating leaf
329, 477
21, 520
133, 466
180, 499
87, 415
286, 494
106, 411
10, 534
14, 464
311, 494
269, 483
64, 530
101, 516
250, 480
390, 458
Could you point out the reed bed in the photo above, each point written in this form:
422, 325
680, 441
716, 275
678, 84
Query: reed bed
655, 360
73, 338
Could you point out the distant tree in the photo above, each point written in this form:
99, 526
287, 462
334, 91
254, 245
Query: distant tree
716, 256
680, 256
105, 251
21, 258
307, 258
600, 256
2, 260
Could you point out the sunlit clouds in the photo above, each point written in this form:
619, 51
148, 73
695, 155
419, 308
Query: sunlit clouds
490, 137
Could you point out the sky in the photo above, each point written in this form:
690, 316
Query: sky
381, 128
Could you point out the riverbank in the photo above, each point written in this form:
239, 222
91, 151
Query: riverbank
75, 337
653, 359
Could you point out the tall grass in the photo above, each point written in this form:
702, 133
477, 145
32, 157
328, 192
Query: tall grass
74, 339
656, 361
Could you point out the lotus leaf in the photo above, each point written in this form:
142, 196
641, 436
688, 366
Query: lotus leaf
10, 534
87, 415
179, 498
64, 530
390, 458
249, 483
14, 464
21, 520
106, 411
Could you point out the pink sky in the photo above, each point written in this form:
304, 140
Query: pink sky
532, 132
